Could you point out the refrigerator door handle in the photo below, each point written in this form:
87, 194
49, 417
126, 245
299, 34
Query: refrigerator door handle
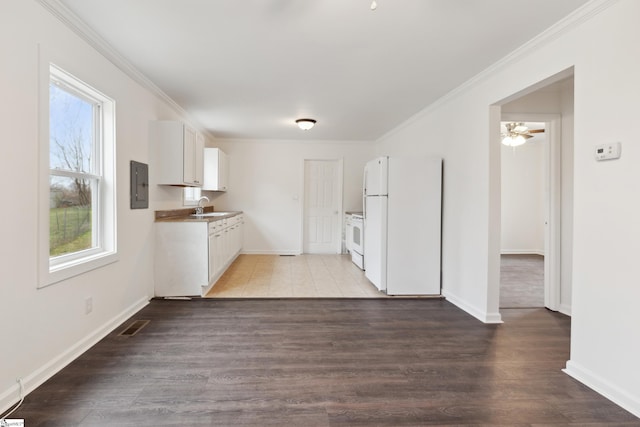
364, 193
364, 182
364, 206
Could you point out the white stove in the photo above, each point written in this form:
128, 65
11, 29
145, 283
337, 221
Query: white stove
355, 239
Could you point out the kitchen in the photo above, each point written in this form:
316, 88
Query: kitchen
266, 183
414, 172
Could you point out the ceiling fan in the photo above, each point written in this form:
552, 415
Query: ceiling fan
516, 133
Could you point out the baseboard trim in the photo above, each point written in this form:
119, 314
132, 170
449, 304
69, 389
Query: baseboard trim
271, 252
483, 316
565, 309
615, 394
36, 378
521, 252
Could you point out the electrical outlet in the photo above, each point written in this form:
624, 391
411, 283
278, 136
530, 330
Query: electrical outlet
88, 305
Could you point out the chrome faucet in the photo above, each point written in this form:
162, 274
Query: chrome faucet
200, 208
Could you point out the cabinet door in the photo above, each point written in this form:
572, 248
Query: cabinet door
240, 233
223, 171
215, 170
212, 257
237, 238
219, 253
173, 151
189, 156
198, 158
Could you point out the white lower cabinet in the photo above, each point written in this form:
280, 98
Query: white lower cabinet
190, 257
213, 265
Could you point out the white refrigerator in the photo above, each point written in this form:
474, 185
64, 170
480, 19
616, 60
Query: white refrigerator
402, 205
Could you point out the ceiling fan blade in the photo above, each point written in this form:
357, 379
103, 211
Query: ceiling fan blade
536, 130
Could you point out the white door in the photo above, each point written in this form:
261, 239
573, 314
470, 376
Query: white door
322, 206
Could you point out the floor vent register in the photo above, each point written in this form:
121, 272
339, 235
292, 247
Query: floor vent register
133, 328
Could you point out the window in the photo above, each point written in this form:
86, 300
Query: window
80, 214
191, 196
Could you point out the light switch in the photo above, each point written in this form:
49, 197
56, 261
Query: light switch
608, 151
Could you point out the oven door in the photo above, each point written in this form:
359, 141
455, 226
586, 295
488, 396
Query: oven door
348, 231
357, 236
357, 242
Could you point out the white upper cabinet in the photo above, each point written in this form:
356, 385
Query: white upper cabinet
177, 154
198, 159
216, 170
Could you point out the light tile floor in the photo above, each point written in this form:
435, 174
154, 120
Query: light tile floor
301, 276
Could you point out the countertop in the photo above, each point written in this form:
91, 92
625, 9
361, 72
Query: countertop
184, 215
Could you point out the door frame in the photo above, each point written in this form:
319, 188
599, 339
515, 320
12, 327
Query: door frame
303, 199
553, 218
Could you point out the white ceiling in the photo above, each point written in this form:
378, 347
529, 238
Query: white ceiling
248, 69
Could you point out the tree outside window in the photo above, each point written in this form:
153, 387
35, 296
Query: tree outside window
78, 216
74, 177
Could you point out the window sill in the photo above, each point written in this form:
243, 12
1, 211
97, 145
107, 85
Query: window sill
76, 267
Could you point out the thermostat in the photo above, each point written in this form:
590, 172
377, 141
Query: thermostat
608, 151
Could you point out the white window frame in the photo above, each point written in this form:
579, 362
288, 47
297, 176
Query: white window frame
191, 196
103, 251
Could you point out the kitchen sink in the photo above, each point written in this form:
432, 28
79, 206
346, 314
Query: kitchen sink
207, 214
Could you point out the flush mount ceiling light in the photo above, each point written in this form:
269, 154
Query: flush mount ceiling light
305, 124
374, 5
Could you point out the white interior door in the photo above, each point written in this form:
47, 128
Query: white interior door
322, 206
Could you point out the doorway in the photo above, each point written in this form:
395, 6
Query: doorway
524, 199
550, 101
548, 223
322, 222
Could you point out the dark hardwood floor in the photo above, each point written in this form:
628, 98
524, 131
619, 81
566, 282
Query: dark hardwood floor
521, 281
324, 362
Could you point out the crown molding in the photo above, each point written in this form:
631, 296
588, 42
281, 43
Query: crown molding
568, 23
74, 23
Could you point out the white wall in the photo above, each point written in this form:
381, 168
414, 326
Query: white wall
43, 329
463, 127
266, 182
523, 198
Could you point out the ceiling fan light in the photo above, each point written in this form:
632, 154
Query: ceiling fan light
518, 140
520, 128
507, 140
305, 124
513, 140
